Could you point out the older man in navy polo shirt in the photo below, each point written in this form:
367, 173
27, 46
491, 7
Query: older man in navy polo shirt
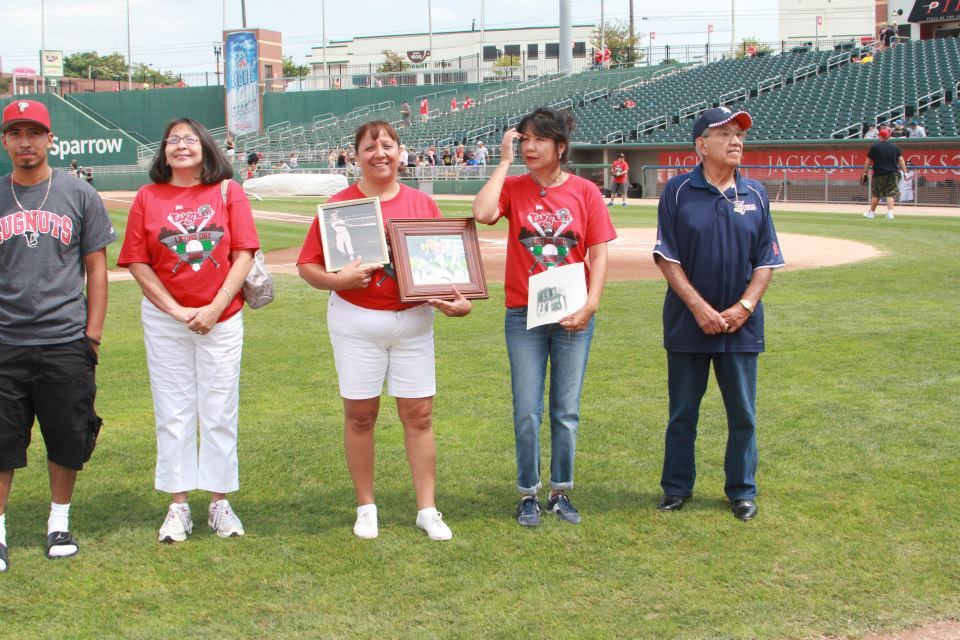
717, 249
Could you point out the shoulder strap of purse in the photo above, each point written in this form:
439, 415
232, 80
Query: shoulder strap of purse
223, 190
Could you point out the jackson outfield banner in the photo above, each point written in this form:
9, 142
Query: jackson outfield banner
241, 72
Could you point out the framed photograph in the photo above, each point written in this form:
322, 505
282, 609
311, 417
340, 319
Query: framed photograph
352, 229
432, 254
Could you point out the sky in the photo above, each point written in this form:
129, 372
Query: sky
179, 35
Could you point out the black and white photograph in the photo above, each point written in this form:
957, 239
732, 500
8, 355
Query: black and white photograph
352, 229
555, 293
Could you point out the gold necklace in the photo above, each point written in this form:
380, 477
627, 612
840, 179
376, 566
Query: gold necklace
543, 188
45, 196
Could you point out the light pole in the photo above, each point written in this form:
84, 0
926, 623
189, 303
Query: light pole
323, 26
129, 57
217, 50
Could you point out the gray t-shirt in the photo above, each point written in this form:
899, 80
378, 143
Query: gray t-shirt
42, 274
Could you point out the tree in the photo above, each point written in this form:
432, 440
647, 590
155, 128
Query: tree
743, 50
393, 62
623, 49
85, 63
145, 73
293, 70
506, 66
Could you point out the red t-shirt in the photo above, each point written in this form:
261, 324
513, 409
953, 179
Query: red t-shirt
453, 102
382, 292
186, 235
550, 231
424, 106
624, 168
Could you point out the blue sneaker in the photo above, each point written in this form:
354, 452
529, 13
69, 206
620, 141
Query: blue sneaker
560, 505
528, 512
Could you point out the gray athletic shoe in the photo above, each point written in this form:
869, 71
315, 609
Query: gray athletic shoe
560, 505
528, 512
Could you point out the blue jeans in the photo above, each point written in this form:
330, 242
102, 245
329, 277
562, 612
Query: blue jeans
687, 381
528, 352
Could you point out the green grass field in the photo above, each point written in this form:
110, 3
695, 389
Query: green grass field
859, 480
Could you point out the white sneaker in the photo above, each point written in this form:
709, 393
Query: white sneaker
431, 521
869, 214
223, 520
176, 526
366, 525
889, 215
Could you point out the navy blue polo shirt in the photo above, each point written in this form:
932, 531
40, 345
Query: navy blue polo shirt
719, 246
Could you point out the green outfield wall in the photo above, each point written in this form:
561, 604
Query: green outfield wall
146, 113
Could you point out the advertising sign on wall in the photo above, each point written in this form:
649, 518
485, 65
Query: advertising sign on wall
848, 162
242, 80
52, 63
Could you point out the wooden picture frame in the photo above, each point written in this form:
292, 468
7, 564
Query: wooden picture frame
352, 229
431, 255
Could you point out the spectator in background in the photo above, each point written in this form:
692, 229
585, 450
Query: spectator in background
332, 159
393, 81
342, 161
606, 57
446, 158
432, 155
480, 153
467, 102
453, 104
898, 129
620, 171
231, 147
424, 110
404, 157
294, 160
471, 160
885, 159
887, 34
458, 155
872, 133
405, 114
867, 58
597, 59
916, 131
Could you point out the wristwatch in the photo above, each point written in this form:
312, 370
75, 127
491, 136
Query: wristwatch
747, 305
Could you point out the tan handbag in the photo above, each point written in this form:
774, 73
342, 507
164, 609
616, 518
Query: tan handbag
258, 289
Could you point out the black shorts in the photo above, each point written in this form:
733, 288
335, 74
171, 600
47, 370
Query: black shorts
56, 385
619, 188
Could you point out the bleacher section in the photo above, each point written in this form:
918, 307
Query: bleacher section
685, 95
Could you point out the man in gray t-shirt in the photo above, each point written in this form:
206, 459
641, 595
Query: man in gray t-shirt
54, 231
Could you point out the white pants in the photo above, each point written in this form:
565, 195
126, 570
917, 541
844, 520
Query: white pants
193, 378
370, 346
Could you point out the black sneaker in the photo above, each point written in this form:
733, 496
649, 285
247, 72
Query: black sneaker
560, 505
528, 512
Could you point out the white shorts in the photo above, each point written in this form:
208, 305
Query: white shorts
370, 346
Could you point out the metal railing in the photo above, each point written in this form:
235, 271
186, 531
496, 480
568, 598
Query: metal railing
693, 110
853, 131
770, 84
733, 96
651, 125
806, 72
614, 136
838, 59
931, 99
888, 116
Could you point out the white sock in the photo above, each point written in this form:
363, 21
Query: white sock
426, 513
367, 508
59, 519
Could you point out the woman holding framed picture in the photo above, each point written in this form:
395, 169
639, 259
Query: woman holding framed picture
377, 338
555, 219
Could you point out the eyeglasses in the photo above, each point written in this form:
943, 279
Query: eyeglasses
187, 140
727, 135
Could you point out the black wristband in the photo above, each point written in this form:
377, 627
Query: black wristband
93, 340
